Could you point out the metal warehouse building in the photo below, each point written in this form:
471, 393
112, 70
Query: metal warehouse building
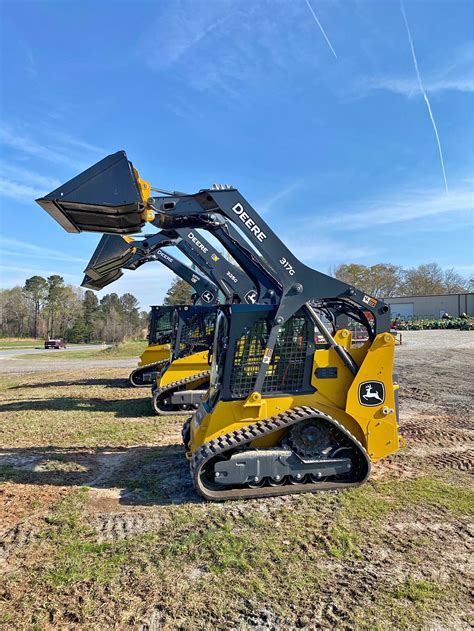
431, 306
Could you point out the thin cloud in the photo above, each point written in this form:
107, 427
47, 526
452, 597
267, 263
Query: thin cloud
321, 28
425, 96
60, 148
414, 206
322, 250
269, 204
16, 247
22, 175
228, 50
410, 88
17, 191
35, 271
24, 185
29, 146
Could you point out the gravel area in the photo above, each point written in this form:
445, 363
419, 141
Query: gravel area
437, 339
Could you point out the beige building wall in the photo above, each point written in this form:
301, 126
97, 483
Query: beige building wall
432, 306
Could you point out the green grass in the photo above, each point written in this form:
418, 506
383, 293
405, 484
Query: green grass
420, 590
76, 557
26, 343
120, 351
86, 408
430, 492
407, 605
204, 563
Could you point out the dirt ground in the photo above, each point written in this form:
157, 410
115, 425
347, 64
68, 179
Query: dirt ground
100, 526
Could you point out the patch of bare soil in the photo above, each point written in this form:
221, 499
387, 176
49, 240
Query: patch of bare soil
22, 510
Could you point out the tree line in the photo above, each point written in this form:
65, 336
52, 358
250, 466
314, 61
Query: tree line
385, 281
382, 280
47, 307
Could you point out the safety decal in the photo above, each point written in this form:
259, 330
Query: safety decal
267, 355
371, 393
214, 257
368, 300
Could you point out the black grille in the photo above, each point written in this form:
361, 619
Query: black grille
161, 327
197, 333
286, 369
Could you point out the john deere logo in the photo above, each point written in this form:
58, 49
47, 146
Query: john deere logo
371, 393
207, 296
251, 297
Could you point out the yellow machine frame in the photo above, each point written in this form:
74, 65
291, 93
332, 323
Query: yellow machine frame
154, 353
375, 427
189, 366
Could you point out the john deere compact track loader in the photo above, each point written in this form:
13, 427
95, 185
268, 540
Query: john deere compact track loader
285, 412
114, 253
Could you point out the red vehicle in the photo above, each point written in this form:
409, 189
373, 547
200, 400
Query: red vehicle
55, 343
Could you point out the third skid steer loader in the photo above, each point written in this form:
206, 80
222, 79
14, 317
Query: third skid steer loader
284, 413
113, 253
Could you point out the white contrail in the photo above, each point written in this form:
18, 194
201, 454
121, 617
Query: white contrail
321, 28
425, 96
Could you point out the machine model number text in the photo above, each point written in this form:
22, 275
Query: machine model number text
288, 266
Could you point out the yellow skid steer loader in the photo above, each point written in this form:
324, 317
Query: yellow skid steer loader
292, 406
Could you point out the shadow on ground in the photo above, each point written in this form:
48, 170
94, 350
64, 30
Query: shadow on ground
122, 408
109, 383
140, 475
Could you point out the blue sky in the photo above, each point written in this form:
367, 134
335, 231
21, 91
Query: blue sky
312, 108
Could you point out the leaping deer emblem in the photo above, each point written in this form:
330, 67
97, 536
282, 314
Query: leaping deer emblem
371, 395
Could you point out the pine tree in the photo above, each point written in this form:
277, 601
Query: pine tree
179, 293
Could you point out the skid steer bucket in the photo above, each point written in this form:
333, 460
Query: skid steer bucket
104, 198
111, 254
102, 281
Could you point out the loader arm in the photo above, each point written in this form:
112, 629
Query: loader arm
267, 290
114, 253
240, 287
207, 292
301, 285
203, 255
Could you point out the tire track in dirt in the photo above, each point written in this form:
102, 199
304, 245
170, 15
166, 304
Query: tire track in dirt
438, 430
121, 526
459, 460
17, 537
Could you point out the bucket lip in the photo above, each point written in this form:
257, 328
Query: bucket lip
104, 198
111, 254
102, 281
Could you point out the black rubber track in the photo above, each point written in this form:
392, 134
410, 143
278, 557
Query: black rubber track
134, 377
170, 388
233, 440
